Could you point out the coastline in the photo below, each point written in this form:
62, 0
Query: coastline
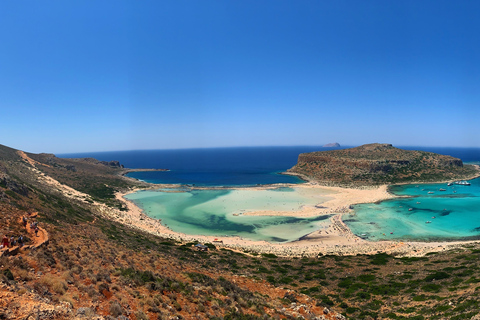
333, 237
124, 172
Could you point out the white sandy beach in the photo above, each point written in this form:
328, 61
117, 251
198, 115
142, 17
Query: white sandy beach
333, 237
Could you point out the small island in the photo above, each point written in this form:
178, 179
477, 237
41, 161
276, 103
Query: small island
332, 145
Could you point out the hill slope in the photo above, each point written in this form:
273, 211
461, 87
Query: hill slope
374, 164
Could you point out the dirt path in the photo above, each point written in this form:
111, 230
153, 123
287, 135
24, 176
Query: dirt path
40, 238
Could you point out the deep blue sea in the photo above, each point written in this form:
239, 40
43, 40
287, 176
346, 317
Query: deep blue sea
229, 166
450, 214
246, 166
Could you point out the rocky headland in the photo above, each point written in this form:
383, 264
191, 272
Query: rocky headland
378, 164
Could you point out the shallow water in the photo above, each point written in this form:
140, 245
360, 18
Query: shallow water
453, 214
219, 212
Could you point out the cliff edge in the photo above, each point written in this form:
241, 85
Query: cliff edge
376, 163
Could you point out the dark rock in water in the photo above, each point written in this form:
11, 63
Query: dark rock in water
332, 145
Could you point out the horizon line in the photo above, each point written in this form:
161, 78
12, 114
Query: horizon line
266, 146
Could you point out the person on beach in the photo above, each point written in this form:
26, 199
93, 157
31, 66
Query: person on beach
36, 231
24, 219
5, 241
12, 241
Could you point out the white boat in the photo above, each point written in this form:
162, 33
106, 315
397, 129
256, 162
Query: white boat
462, 183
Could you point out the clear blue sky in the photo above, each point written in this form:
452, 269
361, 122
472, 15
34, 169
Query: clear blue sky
83, 75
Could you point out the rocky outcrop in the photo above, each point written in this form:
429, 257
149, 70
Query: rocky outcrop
376, 163
114, 164
10, 184
332, 145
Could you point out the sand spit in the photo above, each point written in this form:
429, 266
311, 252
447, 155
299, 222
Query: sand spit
334, 237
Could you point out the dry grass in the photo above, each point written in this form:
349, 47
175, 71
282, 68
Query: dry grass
54, 283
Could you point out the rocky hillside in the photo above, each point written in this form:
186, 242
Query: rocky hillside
374, 164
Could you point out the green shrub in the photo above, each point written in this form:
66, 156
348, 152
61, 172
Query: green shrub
431, 287
439, 275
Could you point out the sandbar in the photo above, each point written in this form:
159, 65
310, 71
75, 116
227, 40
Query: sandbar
332, 237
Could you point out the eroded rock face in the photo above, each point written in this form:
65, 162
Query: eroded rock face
377, 163
10, 184
112, 164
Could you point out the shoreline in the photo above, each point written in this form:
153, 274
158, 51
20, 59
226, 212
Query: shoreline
124, 172
333, 237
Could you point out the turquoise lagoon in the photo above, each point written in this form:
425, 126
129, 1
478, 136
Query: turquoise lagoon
453, 214
218, 212
424, 213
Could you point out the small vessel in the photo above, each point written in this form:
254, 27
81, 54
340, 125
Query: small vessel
430, 192
428, 221
410, 209
418, 202
449, 184
433, 217
441, 189
462, 183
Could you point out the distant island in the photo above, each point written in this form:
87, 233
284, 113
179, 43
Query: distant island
377, 164
332, 145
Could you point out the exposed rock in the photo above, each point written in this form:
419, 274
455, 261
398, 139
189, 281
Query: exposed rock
71, 168
87, 313
7, 182
114, 163
290, 296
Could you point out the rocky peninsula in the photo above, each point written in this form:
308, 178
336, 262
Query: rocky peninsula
378, 164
